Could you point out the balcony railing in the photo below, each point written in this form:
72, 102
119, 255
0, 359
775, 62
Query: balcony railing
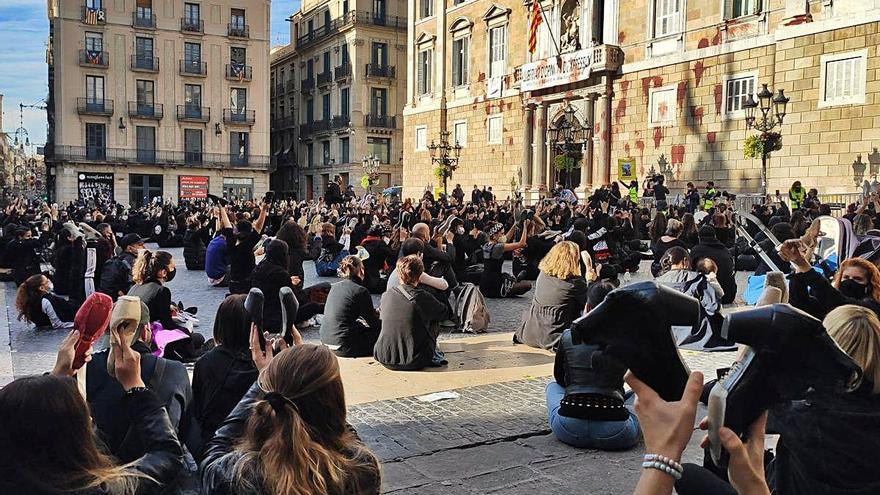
145, 63
381, 121
158, 157
340, 122
196, 26
94, 106
144, 20
308, 84
349, 19
342, 72
235, 30
282, 123
325, 78
316, 126
236, 116
193, 68
239, 72
379, 70
93, 17
146, 110
94, 58
193, 113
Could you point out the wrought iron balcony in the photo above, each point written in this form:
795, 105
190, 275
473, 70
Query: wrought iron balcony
235, 30
193, 26
193, 113
314, 127
325, 78
94, 106
239, 72
143, 20
308, 84
342, 72
158, 157
94, 58
240, 117
153, 111
380, 70
144, 63
347, 20
380, 121
195, 68
340, 122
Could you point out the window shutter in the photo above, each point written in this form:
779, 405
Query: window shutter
420, 79
465, 60
456, 62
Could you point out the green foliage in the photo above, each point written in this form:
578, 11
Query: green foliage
567, 162
365, 181
439, 173
756, 145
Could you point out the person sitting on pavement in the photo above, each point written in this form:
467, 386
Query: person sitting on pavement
331, 252
21, 252
195, 242
437, 260
150, 273
168, 379
495, 283
37, 304
380, 256
410, 317
116, 279
670, 239
295, 237
217, 252
49, 444
225, 373
560, 294
270, 276
289, 432
241, 252
437, 286
351, 325
709, 247
586, 402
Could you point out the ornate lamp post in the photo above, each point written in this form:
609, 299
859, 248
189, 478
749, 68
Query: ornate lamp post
446, 162
569, 137
766, 123
371, 171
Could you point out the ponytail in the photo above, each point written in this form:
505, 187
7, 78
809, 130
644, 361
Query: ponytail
149, 264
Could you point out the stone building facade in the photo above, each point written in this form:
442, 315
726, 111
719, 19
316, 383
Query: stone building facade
154, 98
283, 102
663, 85
344, 93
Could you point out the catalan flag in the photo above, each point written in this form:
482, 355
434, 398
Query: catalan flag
91, 16
537, 19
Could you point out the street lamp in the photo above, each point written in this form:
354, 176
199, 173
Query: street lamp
569, 137
766, 122
371, 170
440, 154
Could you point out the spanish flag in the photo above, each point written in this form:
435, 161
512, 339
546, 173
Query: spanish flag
537, 19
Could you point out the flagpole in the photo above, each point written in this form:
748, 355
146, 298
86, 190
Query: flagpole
544, 16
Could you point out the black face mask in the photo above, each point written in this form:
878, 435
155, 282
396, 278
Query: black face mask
851, 288
169, 275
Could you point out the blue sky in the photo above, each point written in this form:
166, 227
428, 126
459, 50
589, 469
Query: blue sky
23, 33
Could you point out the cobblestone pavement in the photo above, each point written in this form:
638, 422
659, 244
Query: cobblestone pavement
492, 439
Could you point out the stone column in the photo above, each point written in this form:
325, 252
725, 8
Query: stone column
525, 169
539, 177
587, 164
604, 134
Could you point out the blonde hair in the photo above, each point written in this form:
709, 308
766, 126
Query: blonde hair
563, 261
856, 329
349, 266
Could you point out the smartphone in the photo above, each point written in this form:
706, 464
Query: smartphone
270, 197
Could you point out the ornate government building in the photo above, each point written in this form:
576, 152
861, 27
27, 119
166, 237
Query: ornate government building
661, 84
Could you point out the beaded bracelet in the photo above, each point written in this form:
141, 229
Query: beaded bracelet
663, 463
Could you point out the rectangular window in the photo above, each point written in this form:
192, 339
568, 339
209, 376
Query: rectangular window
238, 55
144, 9
238, 148
843, 79
460, 48
344, 150
736, 92
325, 107
666, 17
742, 8
426, 8
379, 102
192, 13
95, 90
495, 126
146, 144
192, 101
497, 51
379, 54
421, 138
238, 100
145, 97
326, 62
96, 141
310, 155
310, 110
459, 133
379, 10
192, 57
95, 4
325, 152
237, 19
662, 106
344, 101
424, 72
94, 42
380, 147
192, 146
143, 53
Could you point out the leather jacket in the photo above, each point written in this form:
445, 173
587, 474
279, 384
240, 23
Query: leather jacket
584, 369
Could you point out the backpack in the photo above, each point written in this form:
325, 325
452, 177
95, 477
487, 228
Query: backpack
470, 308
327, 264
115, 276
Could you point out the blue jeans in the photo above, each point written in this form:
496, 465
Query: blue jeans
584, 433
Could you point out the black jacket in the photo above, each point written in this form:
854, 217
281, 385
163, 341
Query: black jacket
380, 254
718, 253
170, 383
157, 297
812, 293
346, 302
195, 242
116, 276
270, 277
407, 340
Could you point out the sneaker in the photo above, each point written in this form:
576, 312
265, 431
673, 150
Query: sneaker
635, 324
789, 356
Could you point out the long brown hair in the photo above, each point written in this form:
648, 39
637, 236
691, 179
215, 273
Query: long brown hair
658, 227
47, 444
296, 441
27, 293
